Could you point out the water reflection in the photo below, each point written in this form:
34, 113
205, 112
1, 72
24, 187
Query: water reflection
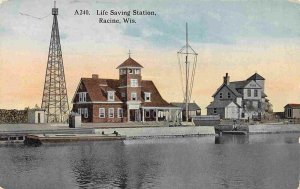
259, 138
253, 161
235, 139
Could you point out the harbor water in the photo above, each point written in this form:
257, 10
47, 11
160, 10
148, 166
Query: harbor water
253, 161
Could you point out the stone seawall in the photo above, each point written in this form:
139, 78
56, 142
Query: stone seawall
290, 128
159, 131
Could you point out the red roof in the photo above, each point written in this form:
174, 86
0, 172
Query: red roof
293, 106
130, 63
97, 91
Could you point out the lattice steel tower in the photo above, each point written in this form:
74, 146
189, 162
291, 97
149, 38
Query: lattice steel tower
55, 98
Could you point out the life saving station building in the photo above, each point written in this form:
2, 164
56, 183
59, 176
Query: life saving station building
128, 98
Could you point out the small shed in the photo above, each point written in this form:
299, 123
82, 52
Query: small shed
292, 111
36, 115
194, 109
74, 120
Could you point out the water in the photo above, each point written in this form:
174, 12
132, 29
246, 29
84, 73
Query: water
255, 161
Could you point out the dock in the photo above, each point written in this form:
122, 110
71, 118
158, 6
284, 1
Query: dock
55, 138
234, 132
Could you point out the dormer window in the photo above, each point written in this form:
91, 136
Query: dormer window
82, 97
110, 95
147, 97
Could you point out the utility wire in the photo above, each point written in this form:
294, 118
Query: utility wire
40, 18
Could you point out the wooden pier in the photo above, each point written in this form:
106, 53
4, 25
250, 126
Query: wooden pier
55, 138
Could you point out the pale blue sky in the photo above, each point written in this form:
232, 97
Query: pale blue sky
238, 37
218, 22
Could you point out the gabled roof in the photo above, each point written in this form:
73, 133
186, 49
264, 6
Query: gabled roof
97, 90
192, 106
156, 99
221, 104
130, 63
255, 77
239, 84
296, 106
263, 94
231, 88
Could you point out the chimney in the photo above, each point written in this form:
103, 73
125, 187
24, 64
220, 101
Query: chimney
95, 76
226, 79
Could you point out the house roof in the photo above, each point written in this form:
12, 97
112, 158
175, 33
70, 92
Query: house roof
296, 106
239, 84
192, 106
230, 87
97, 90
220, 104
156, 99
255, 77
130, 63
263, 94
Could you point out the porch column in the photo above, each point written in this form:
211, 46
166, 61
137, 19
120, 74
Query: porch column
128, 114
143, 112
181, 116
156, 113
166, 114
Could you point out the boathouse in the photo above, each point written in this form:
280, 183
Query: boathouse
292, 111
128, 98
193, 108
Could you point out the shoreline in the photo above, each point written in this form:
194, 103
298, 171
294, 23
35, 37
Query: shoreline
131, 132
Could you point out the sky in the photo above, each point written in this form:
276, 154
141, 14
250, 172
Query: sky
235, 37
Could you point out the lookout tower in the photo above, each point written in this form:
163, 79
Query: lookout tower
55, 98
130, 79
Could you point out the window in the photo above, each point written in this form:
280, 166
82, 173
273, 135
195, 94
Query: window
111, 113
221, 95
255, 104
82, 97
249, 92
255, 93
229, 95
133, 97
120, 112
83, 111
137, 71
102, 112
147, 97
215, 110
133, 83
122, 71
123, 95
154, 113
110, 95
86, 114
130, 71
147, 113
